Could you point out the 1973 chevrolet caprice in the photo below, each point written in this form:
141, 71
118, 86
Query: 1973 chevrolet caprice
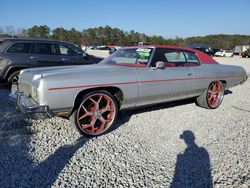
91, 95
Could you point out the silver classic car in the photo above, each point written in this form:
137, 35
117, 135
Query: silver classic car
91, 95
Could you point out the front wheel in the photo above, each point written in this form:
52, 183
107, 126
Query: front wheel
96, 114
14, 77
213, 96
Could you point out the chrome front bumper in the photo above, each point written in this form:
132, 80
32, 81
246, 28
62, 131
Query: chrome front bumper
28, 107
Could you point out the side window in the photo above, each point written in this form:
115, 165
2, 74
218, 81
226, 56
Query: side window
175, 58
44, 48
191, 57
170, 57
19, 48
66, 50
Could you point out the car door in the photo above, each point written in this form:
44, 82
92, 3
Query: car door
44, 54
70, 55
19, 53
171, 82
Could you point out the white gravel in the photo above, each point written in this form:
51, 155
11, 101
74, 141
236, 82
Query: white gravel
141, 152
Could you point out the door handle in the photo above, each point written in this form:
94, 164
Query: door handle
65, 59
189, 74
33, 57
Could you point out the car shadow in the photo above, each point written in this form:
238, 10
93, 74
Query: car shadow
228, 92
4, 85
192, 167
125, 115
18, 168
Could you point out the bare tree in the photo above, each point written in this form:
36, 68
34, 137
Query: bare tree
1, 30
9, 29
20, 32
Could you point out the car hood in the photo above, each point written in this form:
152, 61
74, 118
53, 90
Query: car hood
62, 72
77, 69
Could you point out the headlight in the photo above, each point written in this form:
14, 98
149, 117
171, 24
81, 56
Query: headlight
36, 87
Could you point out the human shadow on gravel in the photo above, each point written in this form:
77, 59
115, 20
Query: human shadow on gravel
18, 167
193, 166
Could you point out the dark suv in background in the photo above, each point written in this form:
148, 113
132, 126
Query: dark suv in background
202, 47
18, 54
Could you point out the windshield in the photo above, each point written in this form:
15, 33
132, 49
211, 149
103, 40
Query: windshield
129, 57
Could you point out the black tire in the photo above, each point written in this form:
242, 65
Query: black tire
14, 77
89, 119
210, 99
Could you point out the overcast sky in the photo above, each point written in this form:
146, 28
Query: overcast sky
169, 18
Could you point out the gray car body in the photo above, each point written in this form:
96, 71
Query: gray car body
11, 62
58, 87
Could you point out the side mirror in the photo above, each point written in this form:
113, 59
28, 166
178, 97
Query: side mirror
160, 65
84, 54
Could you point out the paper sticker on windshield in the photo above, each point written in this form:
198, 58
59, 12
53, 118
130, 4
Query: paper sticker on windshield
143, 52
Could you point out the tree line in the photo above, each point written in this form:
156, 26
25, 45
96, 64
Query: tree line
115, 36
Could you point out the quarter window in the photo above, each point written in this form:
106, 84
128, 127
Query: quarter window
175, 56
44, 48
19, 48
66, 50
191, 57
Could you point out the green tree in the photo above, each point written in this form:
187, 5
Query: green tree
42, 32
60, 34
114, 36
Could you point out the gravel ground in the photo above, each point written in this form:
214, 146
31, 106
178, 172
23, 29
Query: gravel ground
150, 147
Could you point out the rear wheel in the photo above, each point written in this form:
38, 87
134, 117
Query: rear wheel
96, 114
213, 96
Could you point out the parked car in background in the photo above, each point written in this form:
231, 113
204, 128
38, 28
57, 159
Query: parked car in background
215, 50
202, 47
224, 53
238, 50
246, 53
92, 95
229, 53
220, 53
18, 54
